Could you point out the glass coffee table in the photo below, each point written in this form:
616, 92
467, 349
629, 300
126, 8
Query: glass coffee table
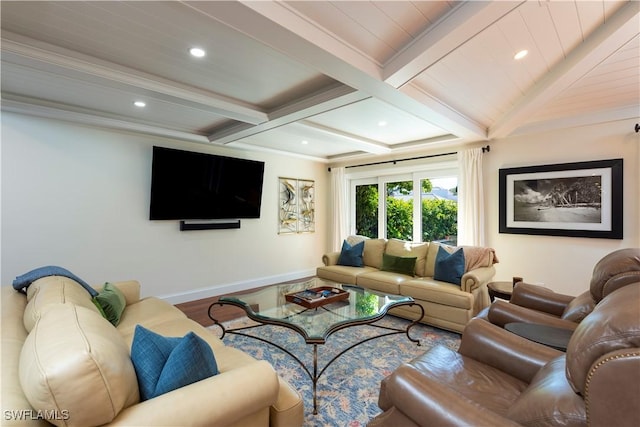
271, 306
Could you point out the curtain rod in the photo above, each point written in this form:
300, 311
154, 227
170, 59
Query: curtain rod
484, 150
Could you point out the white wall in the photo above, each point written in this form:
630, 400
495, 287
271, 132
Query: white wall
78, 197
562, 263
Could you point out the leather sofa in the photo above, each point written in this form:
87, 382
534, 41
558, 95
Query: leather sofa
497, 378
446, 305
537, 304
64, 362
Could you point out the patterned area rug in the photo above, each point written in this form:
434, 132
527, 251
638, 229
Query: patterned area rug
348, 389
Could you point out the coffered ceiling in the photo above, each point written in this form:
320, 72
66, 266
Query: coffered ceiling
331, 80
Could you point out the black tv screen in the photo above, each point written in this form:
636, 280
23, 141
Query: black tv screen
189, 185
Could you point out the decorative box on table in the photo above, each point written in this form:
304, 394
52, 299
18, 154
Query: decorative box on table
316, 297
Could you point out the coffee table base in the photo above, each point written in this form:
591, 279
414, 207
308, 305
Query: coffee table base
315, 376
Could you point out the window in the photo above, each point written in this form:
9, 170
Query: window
390, 206
366, 200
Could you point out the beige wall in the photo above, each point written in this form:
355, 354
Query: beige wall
78, 197
562, 263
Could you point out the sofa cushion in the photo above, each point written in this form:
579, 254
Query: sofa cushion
163, 364
351, 255
148, 312
383, 281
111, 302
342, 273
74, 360
430, 261
373, 250
44, 293
449, 267
404, 248
397, 264
549, 400
446, 294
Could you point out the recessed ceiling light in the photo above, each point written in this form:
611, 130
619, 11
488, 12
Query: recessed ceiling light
140, 104
305, 142
197, 52
521, 54
382, 123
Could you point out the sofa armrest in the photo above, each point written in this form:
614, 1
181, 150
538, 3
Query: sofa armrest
415, 395
330, 258
506, 351
130, 289
220, 400
540, 298
473, 279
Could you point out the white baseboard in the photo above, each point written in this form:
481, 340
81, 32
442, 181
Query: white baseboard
230, 288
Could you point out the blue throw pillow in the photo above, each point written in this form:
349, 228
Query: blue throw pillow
156, 361
449, 266
351, 255
192, 360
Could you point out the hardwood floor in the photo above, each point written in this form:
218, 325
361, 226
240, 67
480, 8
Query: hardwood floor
198, 310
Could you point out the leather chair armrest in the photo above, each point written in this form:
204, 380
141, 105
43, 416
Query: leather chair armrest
219, 400
415, 395
508, 352
540, 298
330, 258
500, 313
476, 278
612, 394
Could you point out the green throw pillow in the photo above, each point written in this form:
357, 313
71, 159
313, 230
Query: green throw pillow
398, 264
111, 303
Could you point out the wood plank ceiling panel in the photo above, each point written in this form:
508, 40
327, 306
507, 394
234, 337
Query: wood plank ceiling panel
541, 27
433, 11
612, 84
408, 17
382, 36
566, 24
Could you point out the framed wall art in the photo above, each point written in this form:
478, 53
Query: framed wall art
582, 199
296, 206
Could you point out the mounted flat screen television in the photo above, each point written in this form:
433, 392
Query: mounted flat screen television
187, 185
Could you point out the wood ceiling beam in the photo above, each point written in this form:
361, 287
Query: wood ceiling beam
43, 56
279, 27
457, 27
619, 29
337, 96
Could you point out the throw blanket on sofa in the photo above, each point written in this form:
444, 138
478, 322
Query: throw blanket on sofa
477, 256
21, 283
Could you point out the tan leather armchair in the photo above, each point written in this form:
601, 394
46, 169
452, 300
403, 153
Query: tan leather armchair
537, 304
497, 378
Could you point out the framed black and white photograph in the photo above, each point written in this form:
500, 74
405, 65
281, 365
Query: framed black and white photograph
582, 199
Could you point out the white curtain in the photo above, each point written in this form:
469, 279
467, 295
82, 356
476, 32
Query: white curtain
340, 208
470, 198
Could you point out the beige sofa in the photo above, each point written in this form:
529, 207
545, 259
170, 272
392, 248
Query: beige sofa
63, 361
446, 305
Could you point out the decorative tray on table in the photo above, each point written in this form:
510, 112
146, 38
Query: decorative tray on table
315, 297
